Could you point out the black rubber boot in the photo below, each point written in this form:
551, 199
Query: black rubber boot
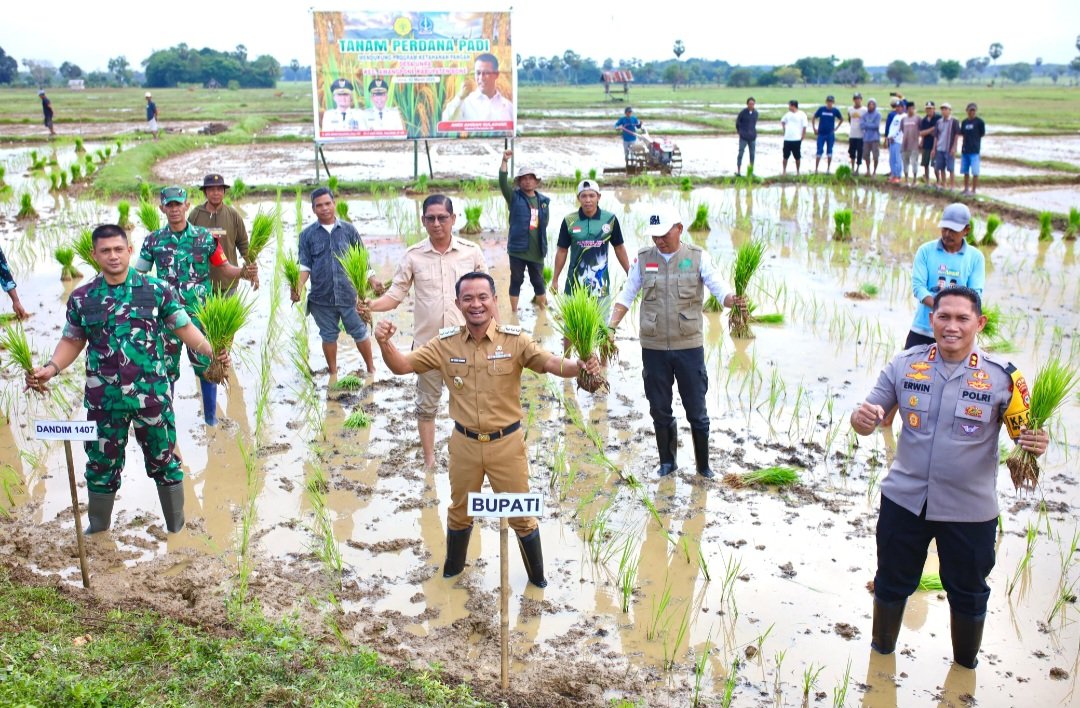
457, 545
701, 452
99, 512
172, 506
667, 444
967, 634
887, 618
532, 555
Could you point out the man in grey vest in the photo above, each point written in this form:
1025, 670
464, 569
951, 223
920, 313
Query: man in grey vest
672, 277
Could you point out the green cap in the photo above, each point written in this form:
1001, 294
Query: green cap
173, 194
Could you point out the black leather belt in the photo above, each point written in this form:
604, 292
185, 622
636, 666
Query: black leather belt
486, 437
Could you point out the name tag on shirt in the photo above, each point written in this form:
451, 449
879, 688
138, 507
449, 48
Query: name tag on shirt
500, 355
456, 360
534, 218
652, 267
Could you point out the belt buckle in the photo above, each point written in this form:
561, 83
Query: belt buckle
483, 437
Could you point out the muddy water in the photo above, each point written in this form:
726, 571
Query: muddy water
1056, 199
786, 569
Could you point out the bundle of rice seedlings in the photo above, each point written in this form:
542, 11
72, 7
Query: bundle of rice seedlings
238, 189
606, 350
842, 221
262, 229
1053, 384
3, 171
1046, 226
290, 268
579, 319
686, 184
83, 245
76, 173
713, 304
63, 180
342, 209
89, 169
65, 256
843, 174
352, 382
221, 317
548, 274
869, 288
747, 260
149, 215
992, 329
930, 582
771, 318
972, 237
26, 207
79, 147
145, 192
20, 351
123, 215
357, 419
108, 152
1073, 226
54, 182
332, 183
119, 147
768, 476
701, 218
472, 219
993, 222
356, 263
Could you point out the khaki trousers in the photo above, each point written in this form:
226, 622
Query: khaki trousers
507, 469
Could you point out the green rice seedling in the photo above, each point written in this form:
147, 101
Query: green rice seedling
992, 329
628, 568
76, 173
748, 258
1066, 589
349, 383
579, 318
54, 181
1052, 386
100, 155
472, 219
332, 184
680, 635
1031, 538
1046, 226
145, 192
79, 147
686, 184
262, 230
712, 304
592, 174
767, 476
728, 696
1073, 227
3, 171
149, 216
578, 174
83, 245
843, 174
238, 189
356, 262
421, 184
119, 147
699, 669
19, 348
657, 626
548, 274
65, 256
869, 289
342, 209
26, 207
842, 222
108, 153
773, 318
357, 419
290, 268
10, 485
221, 317
840, 690
123, 215
930, 582
701, 218
810, 679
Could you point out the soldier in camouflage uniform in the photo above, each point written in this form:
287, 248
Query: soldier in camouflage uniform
125, 318
183, 255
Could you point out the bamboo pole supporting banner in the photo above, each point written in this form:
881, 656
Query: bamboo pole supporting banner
504, 604
75, 511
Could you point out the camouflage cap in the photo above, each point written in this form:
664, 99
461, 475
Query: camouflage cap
171, 195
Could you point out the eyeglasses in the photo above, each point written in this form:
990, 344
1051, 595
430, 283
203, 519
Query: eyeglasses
440, 218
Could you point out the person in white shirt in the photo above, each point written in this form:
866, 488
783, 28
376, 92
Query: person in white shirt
380, 117
794, 123
485, 104
342, 116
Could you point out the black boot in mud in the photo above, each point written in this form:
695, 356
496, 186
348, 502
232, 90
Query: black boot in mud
172, 506
967, 632
457, 546
99, 512
887, 618
701, 453
532, 555
667, 444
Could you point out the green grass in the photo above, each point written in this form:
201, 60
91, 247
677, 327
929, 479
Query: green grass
137, 657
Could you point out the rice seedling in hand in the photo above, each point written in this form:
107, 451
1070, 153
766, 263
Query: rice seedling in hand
768, 476
701, 218
290, 268
1073, 227
349, 383
262, 229
20, 352
83, 245
747, 260
65, 256
123, 215
1052, 386
472, 219
221, 317
357, 419
1046, 226
149, 216
579, 318
356, 262
930, 582
712, 304
26, 207
606, 350
342, 209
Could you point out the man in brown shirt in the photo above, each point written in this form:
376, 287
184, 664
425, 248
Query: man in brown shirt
432, 267
226, 225
481, 364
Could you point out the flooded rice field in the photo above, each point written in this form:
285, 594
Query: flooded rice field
659, 591
1056, 199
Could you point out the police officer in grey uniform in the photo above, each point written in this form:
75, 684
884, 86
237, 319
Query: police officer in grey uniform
953, 399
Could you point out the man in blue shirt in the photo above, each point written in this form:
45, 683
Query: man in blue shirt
825, 130
628, 126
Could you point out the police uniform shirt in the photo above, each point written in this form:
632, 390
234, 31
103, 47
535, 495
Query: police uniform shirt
947, 454
384, 120
484, 377
336, 121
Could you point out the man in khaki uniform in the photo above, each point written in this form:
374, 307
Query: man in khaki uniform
225, 224
432, 268
481, 364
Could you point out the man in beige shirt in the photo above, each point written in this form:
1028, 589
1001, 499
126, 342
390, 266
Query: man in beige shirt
226, 225
433, 266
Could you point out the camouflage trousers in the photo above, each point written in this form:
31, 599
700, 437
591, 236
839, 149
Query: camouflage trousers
173, 345
155, 430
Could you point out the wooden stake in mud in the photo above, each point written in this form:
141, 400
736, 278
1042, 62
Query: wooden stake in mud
505, 506
68, 430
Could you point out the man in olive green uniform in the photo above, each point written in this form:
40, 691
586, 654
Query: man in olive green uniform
672, 277
481, 364
183, 255
125, 318
225, 224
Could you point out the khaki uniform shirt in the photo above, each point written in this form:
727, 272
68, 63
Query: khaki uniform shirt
947, 454
433, 276
228, 225
483, 377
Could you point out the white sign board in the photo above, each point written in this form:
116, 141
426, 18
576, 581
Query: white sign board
84, 430
506, 505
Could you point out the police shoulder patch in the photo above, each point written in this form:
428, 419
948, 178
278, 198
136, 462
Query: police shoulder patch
449, 332
1006, 366
510, 329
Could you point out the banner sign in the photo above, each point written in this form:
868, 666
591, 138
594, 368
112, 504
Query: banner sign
386, 75
81, 430
505, 505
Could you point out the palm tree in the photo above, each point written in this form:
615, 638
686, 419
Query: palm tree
679, 48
